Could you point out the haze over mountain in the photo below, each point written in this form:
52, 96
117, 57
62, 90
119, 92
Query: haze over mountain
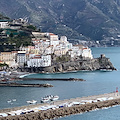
77, 19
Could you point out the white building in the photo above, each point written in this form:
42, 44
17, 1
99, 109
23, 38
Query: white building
21, 58
39, 61
50, 43
3, 24
87, 53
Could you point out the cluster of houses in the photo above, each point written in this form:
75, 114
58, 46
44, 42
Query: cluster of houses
11, 26
39, 55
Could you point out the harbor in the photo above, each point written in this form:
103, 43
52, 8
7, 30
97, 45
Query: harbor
61, 108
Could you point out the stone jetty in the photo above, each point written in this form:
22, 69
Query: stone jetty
24, 85
51, 79
61, 108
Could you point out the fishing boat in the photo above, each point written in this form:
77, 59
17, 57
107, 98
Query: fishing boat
44, 100
32, 102
49, 98
54, 98
9, 101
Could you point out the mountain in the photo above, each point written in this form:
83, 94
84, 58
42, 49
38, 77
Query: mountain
77, 19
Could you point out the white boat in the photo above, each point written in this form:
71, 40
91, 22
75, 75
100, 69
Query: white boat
106, 70
45, 100
14, 100
9, 101
32, 102
3, 114
54, 98
49, 98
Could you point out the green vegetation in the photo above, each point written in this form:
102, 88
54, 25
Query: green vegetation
14, 42
4, 64
63, 58
12, 39
31, 27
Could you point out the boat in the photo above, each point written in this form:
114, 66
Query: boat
49, 98
54, 98
14, 100
46, 98
106, 70
9, 101
32, 102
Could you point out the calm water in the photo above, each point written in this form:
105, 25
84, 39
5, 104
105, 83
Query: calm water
96, 83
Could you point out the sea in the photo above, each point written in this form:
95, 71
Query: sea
97, 82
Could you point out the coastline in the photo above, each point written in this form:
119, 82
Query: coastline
24, 75
65, 109
101, 63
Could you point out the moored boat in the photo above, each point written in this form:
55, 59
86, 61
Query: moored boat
54, 98
32, 102
49, 98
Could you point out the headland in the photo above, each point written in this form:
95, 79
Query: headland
80, 64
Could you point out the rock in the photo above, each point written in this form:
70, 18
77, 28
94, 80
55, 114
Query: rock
81, 64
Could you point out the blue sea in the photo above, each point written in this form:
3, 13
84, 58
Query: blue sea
97, 82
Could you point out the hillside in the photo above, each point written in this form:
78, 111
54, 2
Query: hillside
11, 37
77, 19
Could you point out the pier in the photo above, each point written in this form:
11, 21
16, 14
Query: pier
61, 108
51, 79
24, 85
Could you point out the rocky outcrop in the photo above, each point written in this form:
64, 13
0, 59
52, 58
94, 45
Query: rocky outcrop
82, 64
76, 65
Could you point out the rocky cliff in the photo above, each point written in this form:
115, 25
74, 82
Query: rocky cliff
101, 63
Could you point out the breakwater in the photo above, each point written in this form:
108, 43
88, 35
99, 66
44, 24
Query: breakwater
51, 79
24, 85
63, 108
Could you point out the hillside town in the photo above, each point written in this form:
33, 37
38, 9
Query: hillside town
45, 45
39, 55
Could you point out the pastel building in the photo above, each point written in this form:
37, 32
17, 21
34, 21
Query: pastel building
9, 58
39, 61
21, 58
86, 52
3, 23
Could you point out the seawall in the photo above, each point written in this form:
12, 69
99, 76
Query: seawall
24, 85
109, 100
51, 79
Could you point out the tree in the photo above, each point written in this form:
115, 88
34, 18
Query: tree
11, 35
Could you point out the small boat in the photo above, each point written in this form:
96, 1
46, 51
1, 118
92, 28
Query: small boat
54, 98
14, 100
106, 70
32, 102
9, 101
49, 98
45, 100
